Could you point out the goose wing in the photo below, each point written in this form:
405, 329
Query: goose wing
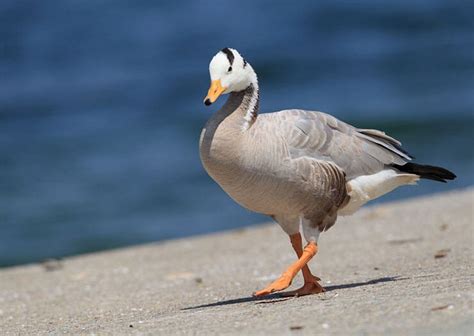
323, 137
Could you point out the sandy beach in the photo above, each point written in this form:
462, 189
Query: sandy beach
398, 268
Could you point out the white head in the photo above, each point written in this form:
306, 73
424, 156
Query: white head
229, 73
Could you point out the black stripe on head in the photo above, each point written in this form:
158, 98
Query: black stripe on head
245, 62
229, 54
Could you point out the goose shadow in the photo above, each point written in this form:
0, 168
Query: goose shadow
278, 297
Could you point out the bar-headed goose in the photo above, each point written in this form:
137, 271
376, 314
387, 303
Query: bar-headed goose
299, 167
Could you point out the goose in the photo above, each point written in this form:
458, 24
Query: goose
301, 168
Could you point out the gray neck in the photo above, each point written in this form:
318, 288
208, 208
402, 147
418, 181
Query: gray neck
243, 106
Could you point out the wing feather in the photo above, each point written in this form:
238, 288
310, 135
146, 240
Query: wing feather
323, 137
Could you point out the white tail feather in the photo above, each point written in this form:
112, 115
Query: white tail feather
368, 187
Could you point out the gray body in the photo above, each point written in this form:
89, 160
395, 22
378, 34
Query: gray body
294, 164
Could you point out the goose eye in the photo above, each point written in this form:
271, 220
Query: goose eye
230, 69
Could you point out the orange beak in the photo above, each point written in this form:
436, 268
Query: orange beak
214, 92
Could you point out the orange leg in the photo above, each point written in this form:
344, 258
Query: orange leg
285, 279
311, 285
297, 244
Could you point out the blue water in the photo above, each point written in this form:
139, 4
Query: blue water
101, 105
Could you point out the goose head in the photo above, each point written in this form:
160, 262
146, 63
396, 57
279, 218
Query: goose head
229, 73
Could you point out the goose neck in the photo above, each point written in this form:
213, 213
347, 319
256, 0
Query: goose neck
244, 106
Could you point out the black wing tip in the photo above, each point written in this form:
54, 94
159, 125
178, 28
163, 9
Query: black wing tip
442, 172
434, 173
387, 143
401, 149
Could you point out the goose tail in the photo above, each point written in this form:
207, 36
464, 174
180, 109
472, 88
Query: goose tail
426, 171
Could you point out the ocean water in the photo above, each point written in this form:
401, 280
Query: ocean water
101, 105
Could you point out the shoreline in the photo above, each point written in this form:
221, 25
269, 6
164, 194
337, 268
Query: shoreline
398, 267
